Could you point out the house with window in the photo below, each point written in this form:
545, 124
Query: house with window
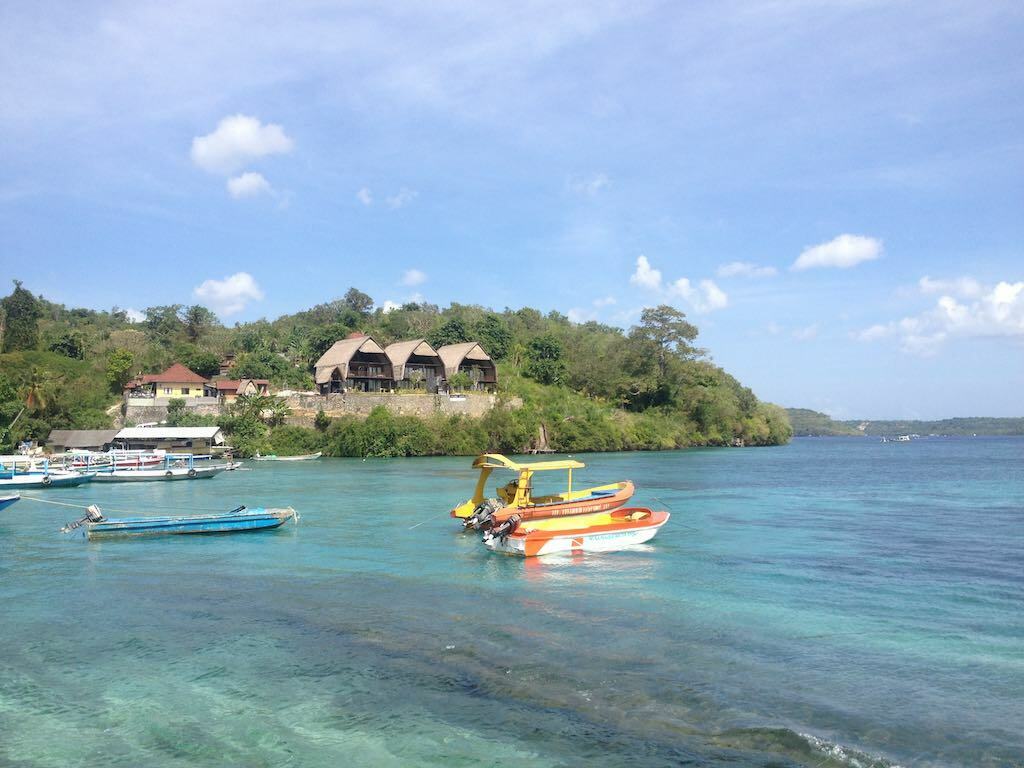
416, 365
228, 390
471, 359
355, 364
176, 382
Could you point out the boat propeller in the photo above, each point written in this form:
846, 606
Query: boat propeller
92, 515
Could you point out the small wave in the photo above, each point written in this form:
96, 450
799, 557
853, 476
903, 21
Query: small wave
846, 755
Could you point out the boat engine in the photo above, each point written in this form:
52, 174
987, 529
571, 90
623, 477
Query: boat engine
502, 531
482, 517
92, 515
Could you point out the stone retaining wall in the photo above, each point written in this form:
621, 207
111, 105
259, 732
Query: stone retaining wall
304, 406
143, 414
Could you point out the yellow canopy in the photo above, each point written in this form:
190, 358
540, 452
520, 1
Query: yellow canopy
497, 461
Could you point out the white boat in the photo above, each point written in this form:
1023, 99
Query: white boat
597, 532
40, 479
161, 473
275, 457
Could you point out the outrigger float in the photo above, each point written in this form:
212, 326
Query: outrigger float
599, 532
516, 497
239, 520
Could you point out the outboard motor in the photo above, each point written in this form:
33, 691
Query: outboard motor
502, 531
483, 515
92, 515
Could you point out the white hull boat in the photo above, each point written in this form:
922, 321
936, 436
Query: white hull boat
163, 473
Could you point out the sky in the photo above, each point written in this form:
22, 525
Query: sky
833, 192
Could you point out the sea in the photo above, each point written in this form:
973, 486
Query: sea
832, 602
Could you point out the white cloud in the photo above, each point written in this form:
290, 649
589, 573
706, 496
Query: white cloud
365, 196
403, 197
577, 315
842, 252
646, 276
230, 295
998, 311
806, 333
745, 269
607, 301
705, 297
134, 315
414, 277
237, 140
966, 287
249, 184
589, 185
390, 306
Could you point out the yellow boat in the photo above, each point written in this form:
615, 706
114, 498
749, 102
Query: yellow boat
517, 495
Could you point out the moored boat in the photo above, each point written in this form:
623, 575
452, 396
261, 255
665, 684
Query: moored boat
239, 520
175, 467
517, 497
599, 532
41, 477
7, 500
275, 457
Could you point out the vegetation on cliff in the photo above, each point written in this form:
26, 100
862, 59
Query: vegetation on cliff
584, 387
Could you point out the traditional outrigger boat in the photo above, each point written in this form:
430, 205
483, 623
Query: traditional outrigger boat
40, 476
8, 499
516, 497
239, 520
275, 457
175, 467
599, 532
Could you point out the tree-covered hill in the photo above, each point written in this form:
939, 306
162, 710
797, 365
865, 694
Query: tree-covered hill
808, 423
588, 386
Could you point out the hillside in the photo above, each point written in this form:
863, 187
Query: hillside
591, 387
960, 427
808, 423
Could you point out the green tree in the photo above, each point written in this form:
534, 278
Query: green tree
544, 362
451, 331
22, 312
321, 421
358, 301
198, 320
119, 368
163, 324
70, 344
459, 382
667, 328
199, 360
493, 333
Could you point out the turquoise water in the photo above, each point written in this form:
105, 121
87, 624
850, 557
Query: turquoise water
831, 602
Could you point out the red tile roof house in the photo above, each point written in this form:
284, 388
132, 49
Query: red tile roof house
157, 388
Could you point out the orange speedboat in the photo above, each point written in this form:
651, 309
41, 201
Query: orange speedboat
599, 532
516, 497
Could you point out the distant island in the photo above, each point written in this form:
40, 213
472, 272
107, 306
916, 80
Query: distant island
808, 423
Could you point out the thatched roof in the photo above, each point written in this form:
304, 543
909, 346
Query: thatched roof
453, 355
339, 355
400, 352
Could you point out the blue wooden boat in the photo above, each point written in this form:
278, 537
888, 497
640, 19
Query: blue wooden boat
7, 500
239, 520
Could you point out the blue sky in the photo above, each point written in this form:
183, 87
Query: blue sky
833, 192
